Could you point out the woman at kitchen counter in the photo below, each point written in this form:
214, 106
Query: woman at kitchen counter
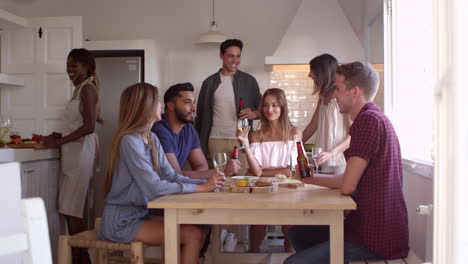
330, 125
138, 172
79, 146
271, 150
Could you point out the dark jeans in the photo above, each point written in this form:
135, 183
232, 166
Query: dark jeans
312, 246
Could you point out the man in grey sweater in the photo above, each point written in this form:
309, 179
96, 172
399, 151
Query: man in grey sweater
218, 102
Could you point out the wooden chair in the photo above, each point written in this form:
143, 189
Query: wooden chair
89, 239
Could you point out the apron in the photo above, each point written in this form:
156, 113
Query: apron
78, 159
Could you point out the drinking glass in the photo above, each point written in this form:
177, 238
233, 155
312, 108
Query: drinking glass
5, 128
243, 124
219, 162
315, 153
292, 168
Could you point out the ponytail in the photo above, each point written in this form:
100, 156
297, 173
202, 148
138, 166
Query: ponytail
98, 107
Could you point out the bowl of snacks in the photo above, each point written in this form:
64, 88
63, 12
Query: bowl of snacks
244, 181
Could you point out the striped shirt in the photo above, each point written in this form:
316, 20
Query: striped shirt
134, 184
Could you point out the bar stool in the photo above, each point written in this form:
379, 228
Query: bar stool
89, 239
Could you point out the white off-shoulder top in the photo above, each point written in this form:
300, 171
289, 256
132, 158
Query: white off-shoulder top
274, 154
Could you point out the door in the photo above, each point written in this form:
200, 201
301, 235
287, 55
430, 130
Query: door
115, 74
38, 53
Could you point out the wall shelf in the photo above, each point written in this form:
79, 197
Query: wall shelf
9, 20
7, 80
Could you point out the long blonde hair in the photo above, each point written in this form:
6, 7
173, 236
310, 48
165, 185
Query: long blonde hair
284, 116
137, 110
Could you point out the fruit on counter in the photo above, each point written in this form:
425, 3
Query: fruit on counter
29, 142
36, 138
15, 139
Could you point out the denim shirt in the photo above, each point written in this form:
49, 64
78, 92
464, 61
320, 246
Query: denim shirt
245, 87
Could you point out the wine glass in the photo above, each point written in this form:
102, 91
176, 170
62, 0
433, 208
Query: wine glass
243, 124
5, 128
219, 162
315, 153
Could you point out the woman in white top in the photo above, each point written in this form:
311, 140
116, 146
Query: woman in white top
330, 125
271, 149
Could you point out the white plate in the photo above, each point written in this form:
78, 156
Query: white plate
244, 177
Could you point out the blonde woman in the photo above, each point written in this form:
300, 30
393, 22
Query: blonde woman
271, 149
139, 172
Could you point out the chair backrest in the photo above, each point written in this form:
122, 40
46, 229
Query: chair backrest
24, 238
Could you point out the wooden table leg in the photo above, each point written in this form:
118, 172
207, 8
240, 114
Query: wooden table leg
337, 239
215, 243
171, 236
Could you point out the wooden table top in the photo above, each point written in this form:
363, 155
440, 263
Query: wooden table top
309, 197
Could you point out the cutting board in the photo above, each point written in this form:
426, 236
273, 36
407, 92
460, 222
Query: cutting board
22, 146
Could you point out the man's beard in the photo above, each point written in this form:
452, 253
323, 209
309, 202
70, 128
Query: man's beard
182, 118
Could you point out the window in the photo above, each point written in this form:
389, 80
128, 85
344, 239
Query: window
411, 58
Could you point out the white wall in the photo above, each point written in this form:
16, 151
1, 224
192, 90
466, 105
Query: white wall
175, 27
418, 191
362, 14
320, 27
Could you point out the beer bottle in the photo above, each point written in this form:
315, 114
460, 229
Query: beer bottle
235, 153
241, 105
302, 161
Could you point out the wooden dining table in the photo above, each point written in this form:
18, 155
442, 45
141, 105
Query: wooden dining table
306, 205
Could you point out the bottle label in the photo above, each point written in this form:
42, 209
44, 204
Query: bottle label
304, 171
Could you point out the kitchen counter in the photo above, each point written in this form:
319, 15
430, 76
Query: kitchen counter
28, 154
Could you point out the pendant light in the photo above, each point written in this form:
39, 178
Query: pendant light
213, 35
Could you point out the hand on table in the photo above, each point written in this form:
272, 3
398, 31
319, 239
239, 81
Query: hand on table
232, 167
214, 182
297, 175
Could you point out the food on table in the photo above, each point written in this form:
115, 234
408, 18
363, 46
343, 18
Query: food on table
280, 177
264, 182
244, 181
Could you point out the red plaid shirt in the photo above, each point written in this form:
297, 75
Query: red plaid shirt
380, 222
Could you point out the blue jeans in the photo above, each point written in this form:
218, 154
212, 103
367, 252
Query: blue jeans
312, 246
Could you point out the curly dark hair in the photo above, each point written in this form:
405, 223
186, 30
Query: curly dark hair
229, 43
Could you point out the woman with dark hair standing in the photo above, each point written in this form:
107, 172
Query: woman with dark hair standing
138, 172
79, 146
330, 125
271, 149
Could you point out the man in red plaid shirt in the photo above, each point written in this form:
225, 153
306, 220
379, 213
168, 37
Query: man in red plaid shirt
378, 228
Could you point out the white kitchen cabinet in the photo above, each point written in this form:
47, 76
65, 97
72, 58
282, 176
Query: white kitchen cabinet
40, 178
37, 53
